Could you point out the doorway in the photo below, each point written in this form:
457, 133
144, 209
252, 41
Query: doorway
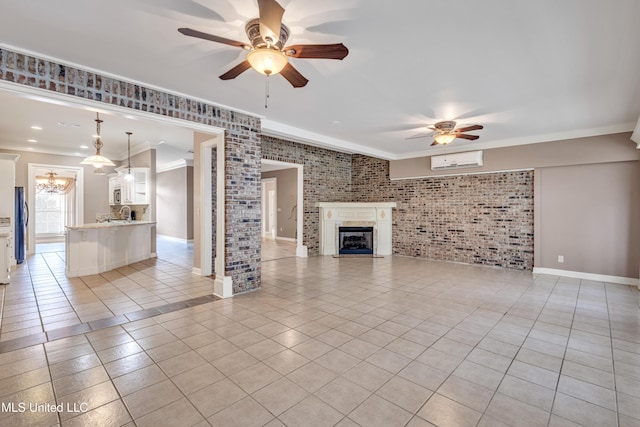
288, 208
55, 194
269, 207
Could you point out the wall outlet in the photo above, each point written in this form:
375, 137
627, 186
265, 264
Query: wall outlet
560, 258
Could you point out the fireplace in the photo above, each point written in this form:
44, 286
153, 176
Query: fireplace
355, 240
371, 221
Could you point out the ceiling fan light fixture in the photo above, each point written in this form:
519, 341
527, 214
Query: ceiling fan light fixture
444, 138
267, 61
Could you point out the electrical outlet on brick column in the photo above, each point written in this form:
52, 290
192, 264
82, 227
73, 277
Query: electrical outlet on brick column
560, 258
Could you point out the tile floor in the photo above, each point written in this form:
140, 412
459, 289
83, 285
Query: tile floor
373, 342
42, 299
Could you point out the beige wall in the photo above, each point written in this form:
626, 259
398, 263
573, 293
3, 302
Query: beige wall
286, 190
96, 187
597, 149
175, 203
589, 214
587, 199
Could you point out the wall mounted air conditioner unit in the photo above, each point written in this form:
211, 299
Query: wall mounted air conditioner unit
469, 159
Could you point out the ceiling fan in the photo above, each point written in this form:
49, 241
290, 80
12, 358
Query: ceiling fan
446, 132
267, 52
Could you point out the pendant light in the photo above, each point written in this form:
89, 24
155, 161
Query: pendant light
97, 160
128, 176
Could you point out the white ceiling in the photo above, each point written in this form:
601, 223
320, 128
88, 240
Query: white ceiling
528, 71
69, 131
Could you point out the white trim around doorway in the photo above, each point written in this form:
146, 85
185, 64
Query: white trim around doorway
223, 285
301, 249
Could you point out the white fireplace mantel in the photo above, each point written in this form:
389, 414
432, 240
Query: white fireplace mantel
336, 214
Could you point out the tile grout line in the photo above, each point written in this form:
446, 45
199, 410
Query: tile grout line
613, 360
26, 338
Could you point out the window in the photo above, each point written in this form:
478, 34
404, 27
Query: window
50, 213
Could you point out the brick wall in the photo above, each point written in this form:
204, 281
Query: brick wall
242, 149
327, 178
478, 219
242, 207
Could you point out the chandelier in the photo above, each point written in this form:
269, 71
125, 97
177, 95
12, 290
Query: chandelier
49, 184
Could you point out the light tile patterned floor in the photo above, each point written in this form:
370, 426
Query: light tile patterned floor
373, 342
41, 298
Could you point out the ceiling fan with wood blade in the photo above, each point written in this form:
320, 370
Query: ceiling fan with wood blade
445, 132
267, 51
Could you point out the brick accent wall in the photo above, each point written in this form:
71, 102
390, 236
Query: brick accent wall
243, 240
327, 178
242, 149
478, 219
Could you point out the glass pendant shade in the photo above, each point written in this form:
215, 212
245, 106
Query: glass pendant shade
97, 160
267, 61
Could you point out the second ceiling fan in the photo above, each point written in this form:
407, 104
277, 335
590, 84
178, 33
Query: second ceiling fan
267, 51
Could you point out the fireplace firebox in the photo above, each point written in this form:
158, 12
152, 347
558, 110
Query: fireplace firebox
355, 240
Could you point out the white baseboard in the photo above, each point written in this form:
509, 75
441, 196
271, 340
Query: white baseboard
196, 270
175, 239
223, 287
302, 251
587, 276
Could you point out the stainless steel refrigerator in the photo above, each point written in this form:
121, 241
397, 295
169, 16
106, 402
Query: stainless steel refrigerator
21, 222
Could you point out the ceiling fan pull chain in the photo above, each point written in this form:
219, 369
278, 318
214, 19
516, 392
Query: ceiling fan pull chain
266, 93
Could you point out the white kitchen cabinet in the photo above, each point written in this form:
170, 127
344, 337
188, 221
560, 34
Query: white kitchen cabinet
114, 183
136, 192
7, 200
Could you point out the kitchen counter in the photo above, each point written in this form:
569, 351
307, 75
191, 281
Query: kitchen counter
117, 223
99, 247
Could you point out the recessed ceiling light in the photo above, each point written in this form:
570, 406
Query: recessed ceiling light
36, 127
335, 122
84, 146
32, 140
71, 125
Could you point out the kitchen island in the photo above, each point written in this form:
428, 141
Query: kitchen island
96, 248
